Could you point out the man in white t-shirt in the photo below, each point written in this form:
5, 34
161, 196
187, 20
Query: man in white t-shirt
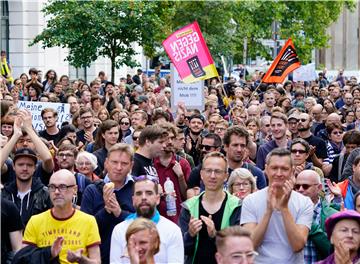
145, 199
278, 217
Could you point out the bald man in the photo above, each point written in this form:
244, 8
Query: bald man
321, 130
316, 116
308, 183
63, 232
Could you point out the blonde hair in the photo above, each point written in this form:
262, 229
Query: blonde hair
141, 224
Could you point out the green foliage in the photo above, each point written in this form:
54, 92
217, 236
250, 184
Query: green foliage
94, 28
90, 29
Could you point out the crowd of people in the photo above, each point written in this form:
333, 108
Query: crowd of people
265, 173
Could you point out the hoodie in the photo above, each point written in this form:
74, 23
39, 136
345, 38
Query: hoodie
34, 202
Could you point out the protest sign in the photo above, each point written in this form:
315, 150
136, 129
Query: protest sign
286, 62
191, 94
35, 109
305, 73
187, 50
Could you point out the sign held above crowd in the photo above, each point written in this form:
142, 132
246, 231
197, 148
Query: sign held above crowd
286, 62
188, 51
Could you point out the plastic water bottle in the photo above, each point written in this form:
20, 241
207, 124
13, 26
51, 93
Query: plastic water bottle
170, 199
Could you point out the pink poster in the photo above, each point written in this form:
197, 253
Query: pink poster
187, 49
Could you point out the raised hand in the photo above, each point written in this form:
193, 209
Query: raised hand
133, 250
56, 247
210, 226
333, 187
287, 189
195, 226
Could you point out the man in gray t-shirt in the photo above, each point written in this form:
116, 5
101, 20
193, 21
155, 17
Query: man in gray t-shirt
278, 217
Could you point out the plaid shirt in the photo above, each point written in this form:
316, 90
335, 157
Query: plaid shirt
310, 254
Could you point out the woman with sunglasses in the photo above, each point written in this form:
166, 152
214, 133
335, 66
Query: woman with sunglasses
334, 145
125, 125
300, 151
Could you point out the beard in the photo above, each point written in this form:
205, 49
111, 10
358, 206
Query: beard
302, 129
146, 213
194, 132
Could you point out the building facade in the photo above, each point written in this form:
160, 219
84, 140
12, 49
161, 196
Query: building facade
344, 50
21, 21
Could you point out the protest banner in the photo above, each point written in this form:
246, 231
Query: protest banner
305, 73
187, 50
190, 94
286, 62
35, 109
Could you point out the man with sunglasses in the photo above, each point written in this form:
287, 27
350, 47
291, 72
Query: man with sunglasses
63, 232
278, 217
318, 150
318, 246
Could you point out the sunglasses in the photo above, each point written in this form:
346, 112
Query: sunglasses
206, 147
300, 151
304, 186
146, 177
124, 123
303, 120
337, 133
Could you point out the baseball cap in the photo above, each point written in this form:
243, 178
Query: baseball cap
138, 89
335, 218
25, 152
198, 117
294, 116
142, 98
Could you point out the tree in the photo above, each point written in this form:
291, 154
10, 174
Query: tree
90, 29
225, 25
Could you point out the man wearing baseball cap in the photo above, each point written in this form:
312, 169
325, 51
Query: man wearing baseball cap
28, 193
343, 230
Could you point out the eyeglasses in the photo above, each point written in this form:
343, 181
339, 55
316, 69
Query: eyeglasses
209, 171
207, 147
83, 164
303, 120
239, 184
300, 151
220, 128
65, 155
304, 186
242, 257
61, 187
124, 123
86, 117
18, 83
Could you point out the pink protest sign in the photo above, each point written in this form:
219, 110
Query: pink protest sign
187, 49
